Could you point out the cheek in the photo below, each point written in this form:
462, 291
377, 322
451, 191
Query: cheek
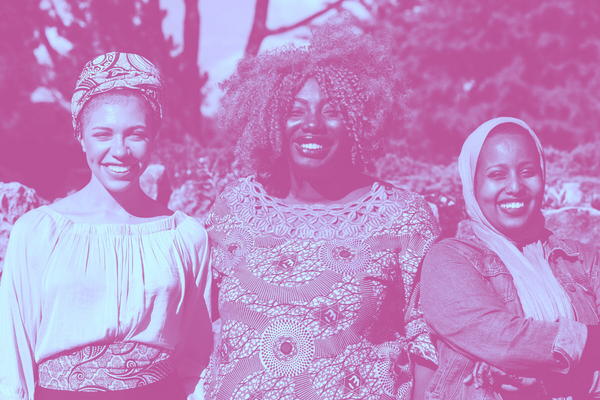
94, 150
337, 126
486, 191
537, 188
141, 150
290, 127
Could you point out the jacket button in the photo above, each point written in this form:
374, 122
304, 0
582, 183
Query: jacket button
571, 287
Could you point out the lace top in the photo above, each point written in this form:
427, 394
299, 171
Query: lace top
67, 285
303, 289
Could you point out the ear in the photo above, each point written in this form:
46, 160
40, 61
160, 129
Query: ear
82, 144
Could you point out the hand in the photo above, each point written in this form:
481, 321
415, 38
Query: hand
482, 375
485, 375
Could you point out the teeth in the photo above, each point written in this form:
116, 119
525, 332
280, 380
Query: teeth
311, 146
118, 168
513, 205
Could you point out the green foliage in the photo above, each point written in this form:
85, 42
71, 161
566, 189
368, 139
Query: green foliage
191, 160
582, 161
468, 61
37, 143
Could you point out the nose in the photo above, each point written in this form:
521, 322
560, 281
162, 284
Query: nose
312, 122
514, 185
119, 148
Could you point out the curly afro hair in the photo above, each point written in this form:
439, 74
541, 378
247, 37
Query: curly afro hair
354, 70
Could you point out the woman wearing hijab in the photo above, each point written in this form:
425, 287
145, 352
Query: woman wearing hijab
514, 309
101, 295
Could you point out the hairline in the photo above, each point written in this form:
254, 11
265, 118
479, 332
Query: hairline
111, 97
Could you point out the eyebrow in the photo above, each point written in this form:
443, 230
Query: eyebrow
106, 128
136, 127
522, 163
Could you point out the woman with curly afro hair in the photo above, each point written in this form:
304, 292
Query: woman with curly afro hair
315, 263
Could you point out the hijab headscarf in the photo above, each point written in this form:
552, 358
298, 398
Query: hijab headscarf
542, 297
118, 70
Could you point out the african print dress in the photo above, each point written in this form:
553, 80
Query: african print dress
303, 291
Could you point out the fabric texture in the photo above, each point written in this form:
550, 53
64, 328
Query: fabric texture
541, 296
474, 312
302, 292
118, 70
109, 367
168, 388
67, 285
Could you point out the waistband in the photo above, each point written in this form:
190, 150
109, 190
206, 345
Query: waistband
100, 368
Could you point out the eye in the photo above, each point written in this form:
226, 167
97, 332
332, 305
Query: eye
330, 112
297, 112
102, 135
137, 135
529, 172
497, 175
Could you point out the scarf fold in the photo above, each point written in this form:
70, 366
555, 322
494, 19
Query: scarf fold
542, 297
116, 70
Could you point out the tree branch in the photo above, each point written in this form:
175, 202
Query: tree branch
306, 20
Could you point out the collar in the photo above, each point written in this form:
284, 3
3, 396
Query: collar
550, 241
553, 244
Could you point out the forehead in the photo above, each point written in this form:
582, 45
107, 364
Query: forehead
310, 90
508, 148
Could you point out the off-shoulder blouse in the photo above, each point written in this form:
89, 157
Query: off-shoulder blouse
67, 285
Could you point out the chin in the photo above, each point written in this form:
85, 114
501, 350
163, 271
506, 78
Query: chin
522, 231
117, 186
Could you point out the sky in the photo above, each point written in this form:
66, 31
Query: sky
224, 29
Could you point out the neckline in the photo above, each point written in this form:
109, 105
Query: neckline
260, 191
150, 226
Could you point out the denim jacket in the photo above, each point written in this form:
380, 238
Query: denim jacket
474, 313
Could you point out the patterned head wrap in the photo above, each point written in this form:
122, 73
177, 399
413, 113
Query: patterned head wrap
118, 70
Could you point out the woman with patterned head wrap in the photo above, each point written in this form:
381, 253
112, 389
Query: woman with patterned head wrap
102, 290
315, 263
514, 308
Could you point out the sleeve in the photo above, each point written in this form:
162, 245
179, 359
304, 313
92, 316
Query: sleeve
193, 351
20, 305
591, 263
424, 235
470, 318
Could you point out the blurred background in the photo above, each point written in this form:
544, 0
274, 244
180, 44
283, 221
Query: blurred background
464, 62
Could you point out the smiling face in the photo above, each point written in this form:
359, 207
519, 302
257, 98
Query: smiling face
509, 185
117, 138
317, 142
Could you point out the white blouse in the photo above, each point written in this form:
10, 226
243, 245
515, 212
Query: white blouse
67, 285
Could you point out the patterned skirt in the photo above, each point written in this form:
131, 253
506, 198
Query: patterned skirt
115, 371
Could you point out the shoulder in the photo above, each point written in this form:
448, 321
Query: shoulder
414, 201
411, 208
192, 231
585, 251
465, 247
37, 222
241, 191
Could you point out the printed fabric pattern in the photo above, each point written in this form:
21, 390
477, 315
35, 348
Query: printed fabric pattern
102, 368
118, 70
301, 293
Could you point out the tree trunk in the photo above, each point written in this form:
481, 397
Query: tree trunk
190, 72
259, 27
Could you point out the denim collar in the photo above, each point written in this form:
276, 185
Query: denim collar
551, 244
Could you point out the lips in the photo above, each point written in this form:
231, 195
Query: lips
313, 146
513, 206
118, 170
